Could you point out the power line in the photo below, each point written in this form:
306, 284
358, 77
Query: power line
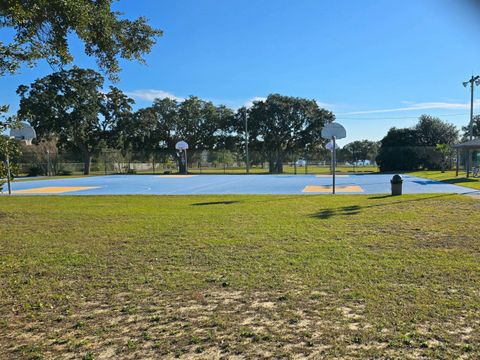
393, 118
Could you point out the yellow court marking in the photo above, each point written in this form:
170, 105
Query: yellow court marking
321, 176
54, 189
328, 189
175, 176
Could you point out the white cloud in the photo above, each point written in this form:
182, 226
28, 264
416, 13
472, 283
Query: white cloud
249, 102
152, 94
325, 105
418, 106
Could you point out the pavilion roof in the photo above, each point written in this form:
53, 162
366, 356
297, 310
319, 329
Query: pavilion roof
472, 144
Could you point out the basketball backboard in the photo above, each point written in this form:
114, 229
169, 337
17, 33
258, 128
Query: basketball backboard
181, 145
23, 132
329, 146
334, 130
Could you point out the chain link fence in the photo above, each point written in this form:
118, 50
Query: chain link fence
43, 162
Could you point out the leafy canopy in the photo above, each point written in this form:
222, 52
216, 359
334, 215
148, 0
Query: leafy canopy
360, 150
70, 107
42, 30
475, 128
198, 122
415, 147
283, 125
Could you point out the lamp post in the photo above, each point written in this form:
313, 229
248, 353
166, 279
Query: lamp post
474, 80
246, 143
48, 162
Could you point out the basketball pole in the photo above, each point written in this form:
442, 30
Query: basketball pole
332, 131
334, 160
8, 172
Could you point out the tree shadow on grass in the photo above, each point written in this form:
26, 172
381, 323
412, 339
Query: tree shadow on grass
356, 209
343, 211
459, 180
379, 197
216, 203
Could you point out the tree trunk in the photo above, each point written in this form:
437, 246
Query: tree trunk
87, 161
279, 167
271, 166
279, 163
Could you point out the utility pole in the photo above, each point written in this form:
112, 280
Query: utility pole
474, 80
48, 162
246, 143
224, 140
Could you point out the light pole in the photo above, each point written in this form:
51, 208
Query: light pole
246, 142
48, 162
224, 133
474, 80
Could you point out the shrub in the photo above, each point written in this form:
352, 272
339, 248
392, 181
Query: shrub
35, 171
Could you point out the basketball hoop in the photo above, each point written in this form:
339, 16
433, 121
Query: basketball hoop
24, 132
333, 132
182, 148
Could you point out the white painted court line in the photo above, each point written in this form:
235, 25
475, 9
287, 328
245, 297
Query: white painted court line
328, 189
329, 176
175, 176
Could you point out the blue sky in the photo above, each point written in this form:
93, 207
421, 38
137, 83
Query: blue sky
374, 63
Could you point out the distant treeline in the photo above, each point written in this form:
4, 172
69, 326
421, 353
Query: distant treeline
70, 108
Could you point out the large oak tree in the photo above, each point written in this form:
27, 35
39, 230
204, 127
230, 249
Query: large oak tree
282, 126
43, 29
70, 107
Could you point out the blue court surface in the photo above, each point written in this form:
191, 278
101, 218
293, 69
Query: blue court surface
229, 184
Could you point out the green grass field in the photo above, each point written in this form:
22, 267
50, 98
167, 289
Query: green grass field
449, 177
247, 276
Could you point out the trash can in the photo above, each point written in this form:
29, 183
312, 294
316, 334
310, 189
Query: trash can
397, 183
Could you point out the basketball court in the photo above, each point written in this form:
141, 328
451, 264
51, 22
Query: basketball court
228, 184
